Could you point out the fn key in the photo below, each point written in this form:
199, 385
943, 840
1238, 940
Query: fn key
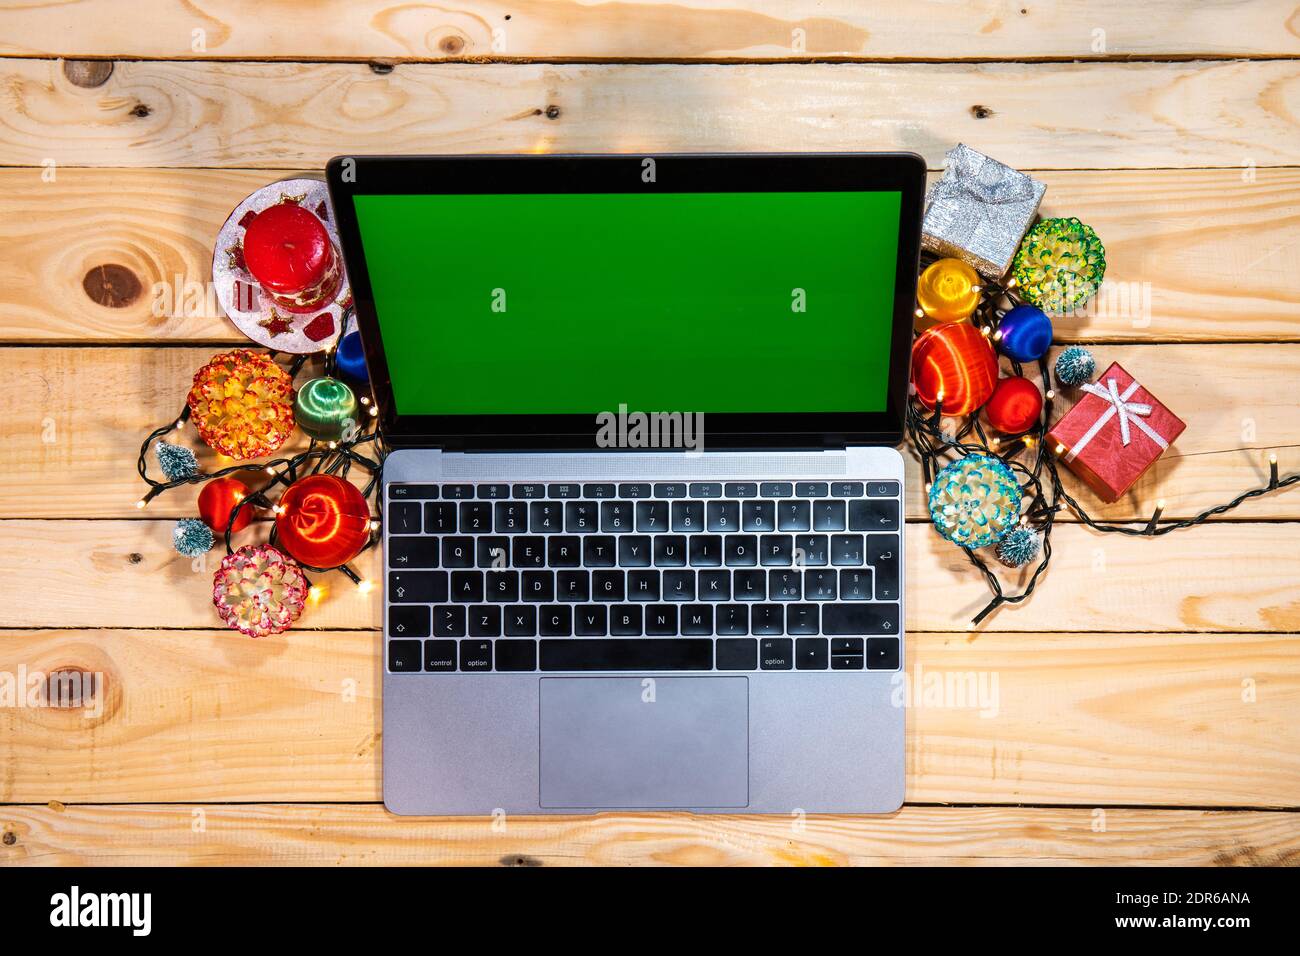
404, 656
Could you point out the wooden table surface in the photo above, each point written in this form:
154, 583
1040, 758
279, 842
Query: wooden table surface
1148, 703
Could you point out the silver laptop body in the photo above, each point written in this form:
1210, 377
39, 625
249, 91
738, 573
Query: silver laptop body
486, 713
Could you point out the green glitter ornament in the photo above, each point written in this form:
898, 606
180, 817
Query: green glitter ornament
176, 461
974, 501
326, 409
1059, 265
192, 537
1018, 547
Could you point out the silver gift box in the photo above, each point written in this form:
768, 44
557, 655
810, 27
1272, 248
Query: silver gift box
980, 211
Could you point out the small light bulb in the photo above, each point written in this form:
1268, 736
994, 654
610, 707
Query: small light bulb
1051, 393
1160, 504
1272, 458
270, 470
374, 526
180, 423
365, 399
939, 397
374, 409
977, 288
995, 441
334, 444
140, 503
278, 509
1060, 448
920, 313
984, 330
314, 593
997, 336
365, 586
1012, 284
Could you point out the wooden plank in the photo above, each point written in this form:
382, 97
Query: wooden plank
294, 115
1079, 719
73, 420
640, 29
365, 835
1229, 576
1193, 254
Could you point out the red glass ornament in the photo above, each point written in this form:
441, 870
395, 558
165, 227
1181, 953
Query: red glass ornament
218, 498
289, 253
323, 521
1014, 406
957, 361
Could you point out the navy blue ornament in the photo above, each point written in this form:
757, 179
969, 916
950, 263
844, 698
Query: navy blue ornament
1075, 366
351, 359
1025, 333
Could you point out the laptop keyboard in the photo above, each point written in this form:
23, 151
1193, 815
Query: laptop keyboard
640, 576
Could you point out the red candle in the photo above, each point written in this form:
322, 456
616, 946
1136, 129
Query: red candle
289, 253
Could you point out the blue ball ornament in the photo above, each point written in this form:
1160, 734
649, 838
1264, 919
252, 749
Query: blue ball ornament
974, 501
351, 358
1075, 366
1018, 547
1025, 333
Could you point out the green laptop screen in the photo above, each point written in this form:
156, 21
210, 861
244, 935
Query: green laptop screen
675, 302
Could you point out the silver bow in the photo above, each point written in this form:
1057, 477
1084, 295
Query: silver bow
1118, 405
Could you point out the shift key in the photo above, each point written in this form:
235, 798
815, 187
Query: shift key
859, 618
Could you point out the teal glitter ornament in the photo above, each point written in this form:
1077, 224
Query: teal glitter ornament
1075, 366
974, 501
176, 461
1018, 547
192, 537
326, 409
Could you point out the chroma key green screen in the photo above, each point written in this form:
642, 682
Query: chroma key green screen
577, 303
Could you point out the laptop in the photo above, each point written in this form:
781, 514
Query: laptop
643, 509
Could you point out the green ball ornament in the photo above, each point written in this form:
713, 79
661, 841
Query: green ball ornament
974, 501
1059, 265
326, 409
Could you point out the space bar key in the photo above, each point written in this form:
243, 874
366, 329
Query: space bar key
630, 654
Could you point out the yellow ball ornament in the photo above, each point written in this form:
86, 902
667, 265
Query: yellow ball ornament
948, 291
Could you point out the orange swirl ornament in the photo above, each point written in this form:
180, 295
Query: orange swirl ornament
956, 362
323, 521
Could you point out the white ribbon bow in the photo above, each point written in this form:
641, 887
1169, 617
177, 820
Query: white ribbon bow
1117, 404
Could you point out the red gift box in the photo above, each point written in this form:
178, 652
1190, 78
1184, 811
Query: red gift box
1114, 433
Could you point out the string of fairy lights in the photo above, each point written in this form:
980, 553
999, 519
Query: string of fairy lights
333, 457
936, 439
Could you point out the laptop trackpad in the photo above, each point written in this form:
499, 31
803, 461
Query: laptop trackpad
632, 742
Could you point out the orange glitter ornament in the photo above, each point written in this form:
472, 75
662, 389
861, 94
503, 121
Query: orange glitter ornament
242, 404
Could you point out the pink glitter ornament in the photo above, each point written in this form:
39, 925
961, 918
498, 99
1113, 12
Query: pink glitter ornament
258, 590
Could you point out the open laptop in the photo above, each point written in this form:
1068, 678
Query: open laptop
643, 512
